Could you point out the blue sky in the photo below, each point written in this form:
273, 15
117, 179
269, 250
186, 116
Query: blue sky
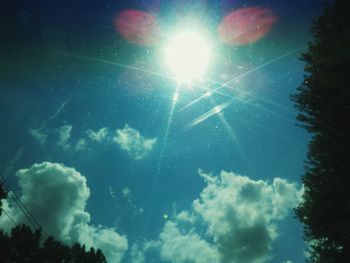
100, 153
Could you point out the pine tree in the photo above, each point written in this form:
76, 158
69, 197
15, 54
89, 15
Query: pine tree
323, 101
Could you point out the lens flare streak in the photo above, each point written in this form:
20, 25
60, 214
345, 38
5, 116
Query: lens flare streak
217, 109
241, 76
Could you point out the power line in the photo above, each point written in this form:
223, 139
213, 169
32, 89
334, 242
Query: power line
22, 207
10, 217
18, 202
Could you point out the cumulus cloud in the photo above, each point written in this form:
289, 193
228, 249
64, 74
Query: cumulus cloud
240, 214
131, 141
138, 250
177, 246
64, 135
97, 136
234, 220
56, 196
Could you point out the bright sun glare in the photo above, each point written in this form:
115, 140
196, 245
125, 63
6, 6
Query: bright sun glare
187, 54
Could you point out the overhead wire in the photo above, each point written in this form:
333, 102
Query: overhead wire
35, 224
10, 217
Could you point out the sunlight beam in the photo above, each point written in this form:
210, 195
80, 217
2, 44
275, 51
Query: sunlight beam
167, 128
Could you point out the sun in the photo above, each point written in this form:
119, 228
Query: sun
187, 55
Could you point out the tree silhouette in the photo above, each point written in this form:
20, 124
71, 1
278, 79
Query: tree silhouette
25, 245
3, 195
323, 100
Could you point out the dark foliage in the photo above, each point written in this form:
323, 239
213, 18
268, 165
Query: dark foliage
324, 104
24, 245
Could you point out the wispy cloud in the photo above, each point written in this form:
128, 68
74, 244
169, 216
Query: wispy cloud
81, 145
131, 141
128, 139
61, 138
56, 196
11, 165
124, 202
40, 135
97, 136
60, 109
64, 135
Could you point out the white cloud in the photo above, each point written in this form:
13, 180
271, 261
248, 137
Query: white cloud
81, 145
132, 142
137, 254
97, 136
138, 250
234, 220
56, 196
64, 135
39, 135
180, 247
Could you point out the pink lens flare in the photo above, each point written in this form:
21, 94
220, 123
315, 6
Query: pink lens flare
138, 27
246, 25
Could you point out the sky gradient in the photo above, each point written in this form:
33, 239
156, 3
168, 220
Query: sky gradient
105, 147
